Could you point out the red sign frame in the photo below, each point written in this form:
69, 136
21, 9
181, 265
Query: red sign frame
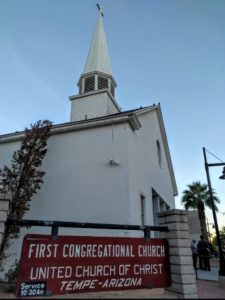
75, 264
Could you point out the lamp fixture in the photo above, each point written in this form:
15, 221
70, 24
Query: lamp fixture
112, 162
223, 176
221, 256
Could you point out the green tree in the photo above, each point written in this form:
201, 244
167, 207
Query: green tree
24, 177
222, 235
222, 238
197, 197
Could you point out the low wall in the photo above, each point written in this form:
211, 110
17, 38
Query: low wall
183, 280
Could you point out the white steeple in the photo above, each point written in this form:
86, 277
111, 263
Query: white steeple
96, 85
98, 57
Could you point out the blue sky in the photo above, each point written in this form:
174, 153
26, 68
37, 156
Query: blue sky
162, 51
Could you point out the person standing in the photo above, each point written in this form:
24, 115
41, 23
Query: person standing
204, 254
223, 250
194, 251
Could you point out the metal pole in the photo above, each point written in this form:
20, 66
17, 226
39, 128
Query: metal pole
56, 224
222, 262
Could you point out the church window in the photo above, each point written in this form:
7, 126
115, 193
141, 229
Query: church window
89, 84
102, 82
159, 153
142, 209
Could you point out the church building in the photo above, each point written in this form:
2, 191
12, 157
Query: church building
104, 165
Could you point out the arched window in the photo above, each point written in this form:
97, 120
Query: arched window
159, 153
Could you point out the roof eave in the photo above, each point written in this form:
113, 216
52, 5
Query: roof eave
131, 118
166, 147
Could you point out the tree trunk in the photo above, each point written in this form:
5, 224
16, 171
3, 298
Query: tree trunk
201, 215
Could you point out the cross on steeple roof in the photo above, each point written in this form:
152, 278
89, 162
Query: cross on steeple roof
100, 9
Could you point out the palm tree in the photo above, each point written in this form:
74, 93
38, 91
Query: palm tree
196, 197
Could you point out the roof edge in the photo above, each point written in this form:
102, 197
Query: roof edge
131, 118
166, 146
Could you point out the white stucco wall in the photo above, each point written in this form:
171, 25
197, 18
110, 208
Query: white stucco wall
81, 186
111, 107
91, 106
144, 170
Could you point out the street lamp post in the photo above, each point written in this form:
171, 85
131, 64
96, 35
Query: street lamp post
221, 257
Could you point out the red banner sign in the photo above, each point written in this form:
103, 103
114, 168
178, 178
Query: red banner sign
86, 264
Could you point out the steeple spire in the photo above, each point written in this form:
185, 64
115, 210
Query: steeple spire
97, 72
98, 57
96, 85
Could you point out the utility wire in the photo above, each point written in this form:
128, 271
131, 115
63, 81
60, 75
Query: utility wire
215, 156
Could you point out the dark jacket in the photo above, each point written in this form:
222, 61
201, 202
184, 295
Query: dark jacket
203, 247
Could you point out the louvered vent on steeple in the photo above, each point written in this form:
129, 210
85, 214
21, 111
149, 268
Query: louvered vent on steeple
96, 81
102, 82
112, 89
89, 84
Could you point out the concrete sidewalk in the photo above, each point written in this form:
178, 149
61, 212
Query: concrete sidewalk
208, 275
208, 282
208, 289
